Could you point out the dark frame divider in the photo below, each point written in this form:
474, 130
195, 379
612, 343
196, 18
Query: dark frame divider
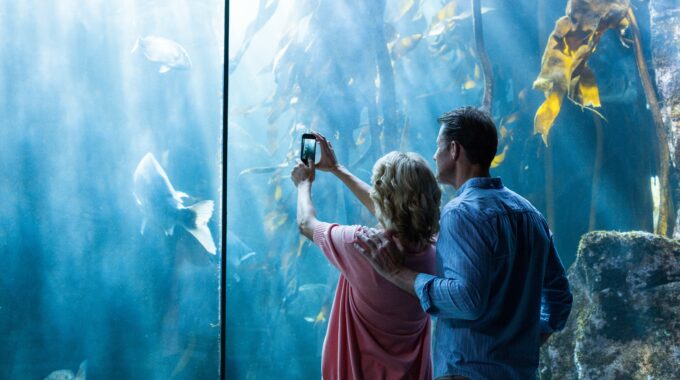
223, 248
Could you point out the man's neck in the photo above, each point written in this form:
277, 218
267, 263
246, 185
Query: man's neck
465, 174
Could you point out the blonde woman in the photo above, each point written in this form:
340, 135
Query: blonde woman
376, 330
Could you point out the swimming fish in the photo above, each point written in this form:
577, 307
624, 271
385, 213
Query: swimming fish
263, 169
67, 374
168, 53
162, 204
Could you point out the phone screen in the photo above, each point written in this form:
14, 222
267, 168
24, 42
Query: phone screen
308, 149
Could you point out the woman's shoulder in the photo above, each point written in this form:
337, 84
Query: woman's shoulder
423, 261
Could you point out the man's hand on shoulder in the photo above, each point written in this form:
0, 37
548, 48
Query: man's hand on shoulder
385, 257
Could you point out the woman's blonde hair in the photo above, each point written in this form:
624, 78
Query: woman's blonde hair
406, 195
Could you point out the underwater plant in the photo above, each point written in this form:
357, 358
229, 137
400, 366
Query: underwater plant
565, 71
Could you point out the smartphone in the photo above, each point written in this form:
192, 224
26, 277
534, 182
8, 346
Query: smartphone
308, 149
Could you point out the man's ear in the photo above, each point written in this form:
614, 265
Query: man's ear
455, 149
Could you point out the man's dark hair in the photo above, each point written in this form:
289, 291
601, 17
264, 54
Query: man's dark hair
474, 130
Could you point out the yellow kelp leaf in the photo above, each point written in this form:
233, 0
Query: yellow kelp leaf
447, 11
469, 84
478, 72
274, 220
499, 158
556, 64
546, 114
564, 67
277, 193
404, 45
588, 94
443, 20
321, 317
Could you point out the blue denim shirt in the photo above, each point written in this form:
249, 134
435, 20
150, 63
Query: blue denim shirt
500, 284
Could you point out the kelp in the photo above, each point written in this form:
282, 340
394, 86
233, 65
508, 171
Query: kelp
401, 46
564, 70
505, 137
564, 67
483, 57
451, 43
664, 221
265, 11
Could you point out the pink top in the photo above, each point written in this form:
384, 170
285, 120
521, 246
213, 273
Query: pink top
376, 330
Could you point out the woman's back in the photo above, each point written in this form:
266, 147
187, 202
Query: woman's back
376, 330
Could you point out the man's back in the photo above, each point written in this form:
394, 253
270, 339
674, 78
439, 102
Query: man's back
496, 262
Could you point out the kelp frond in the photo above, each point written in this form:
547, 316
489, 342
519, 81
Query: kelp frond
564, 68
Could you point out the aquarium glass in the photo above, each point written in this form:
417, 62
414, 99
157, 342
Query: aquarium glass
111, 115
374, 76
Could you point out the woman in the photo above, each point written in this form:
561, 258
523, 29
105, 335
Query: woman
376, 330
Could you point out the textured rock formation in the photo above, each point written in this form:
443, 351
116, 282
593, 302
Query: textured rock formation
625, 321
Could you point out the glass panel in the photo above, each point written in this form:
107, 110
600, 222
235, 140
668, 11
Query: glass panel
374, 76
112, 114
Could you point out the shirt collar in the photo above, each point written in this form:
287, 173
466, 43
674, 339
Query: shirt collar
481, 183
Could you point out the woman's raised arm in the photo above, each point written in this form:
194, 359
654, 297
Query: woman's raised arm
303, 176
329, 163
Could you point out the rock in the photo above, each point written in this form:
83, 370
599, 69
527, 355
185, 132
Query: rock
625, 320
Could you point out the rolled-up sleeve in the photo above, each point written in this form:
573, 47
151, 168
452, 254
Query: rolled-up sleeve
462, 290
556, 297
422, 288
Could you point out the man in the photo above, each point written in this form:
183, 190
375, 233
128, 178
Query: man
501, 289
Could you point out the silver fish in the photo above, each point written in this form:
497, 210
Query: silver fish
168, 53
163, 205
67, 374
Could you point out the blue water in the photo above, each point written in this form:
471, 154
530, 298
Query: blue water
314, 65
79, 111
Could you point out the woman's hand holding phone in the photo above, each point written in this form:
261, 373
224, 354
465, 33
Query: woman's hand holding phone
303, 172
328, 161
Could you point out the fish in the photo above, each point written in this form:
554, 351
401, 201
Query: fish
168, 53
163, 205
512, 118
499, 158
263, 169
67, 374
